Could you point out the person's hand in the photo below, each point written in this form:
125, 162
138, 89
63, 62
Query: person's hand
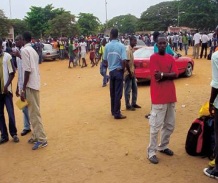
157, 75
211, 109
17, 54
22, 96
17, 93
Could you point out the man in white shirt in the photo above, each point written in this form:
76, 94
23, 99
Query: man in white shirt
204, 40
82, 46
196, 39
30, 91
19, 45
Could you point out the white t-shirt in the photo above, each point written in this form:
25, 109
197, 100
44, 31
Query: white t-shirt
30, 64
204, 38
214, 82
4, 45
197, 38
83, 47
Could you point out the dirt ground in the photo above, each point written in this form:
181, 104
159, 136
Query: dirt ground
85, 143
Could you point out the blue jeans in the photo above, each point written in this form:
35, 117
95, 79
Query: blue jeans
186, 49
26, 120
103, 72
6, 100
130, 85
116, 91
61, 54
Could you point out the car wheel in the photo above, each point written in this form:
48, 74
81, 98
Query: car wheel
188, 71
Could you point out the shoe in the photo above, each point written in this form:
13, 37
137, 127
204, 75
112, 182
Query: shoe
32, 141
210, 172
153, 159
167, 151
15, 139
120, 117
147, 116
130, 108
39, 145
2, 141
136, 106
24, 132
104, 85
212, 163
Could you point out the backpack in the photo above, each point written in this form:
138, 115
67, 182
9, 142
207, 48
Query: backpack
200, 139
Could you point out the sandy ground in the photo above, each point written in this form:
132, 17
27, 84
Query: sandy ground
85, 143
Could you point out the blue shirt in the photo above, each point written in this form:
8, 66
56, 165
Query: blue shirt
115, 54
168, 49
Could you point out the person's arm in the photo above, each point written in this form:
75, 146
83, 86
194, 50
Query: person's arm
10, 78
127, 63
213, 95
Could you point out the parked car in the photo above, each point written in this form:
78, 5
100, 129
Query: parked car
185, 65
49, 53
139, 44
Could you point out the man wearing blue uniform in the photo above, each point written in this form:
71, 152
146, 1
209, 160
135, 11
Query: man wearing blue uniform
115, 57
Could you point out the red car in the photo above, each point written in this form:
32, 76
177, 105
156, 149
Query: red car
185, 65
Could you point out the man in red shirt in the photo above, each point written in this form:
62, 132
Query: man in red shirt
163, 97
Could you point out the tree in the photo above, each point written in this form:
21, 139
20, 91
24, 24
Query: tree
199, 14
39, 17
88, 24
124, 23
20, 26
62, 25
4, 24
159, 17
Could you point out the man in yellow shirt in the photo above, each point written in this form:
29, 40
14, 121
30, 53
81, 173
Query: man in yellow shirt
103, 66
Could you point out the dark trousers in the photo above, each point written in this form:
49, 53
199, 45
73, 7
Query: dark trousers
6, 99
203, 47
130, 86
216, 138
116, 91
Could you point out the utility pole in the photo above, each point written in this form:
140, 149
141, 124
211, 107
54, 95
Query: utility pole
106, 12
10, 9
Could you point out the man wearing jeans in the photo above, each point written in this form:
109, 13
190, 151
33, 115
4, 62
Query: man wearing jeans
163, 97
213, 108
7, 73
30, 91
115, 57
103, 66
129, 77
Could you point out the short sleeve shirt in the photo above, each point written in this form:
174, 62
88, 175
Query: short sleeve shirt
5, 70
83, 47
115, 54
162, 92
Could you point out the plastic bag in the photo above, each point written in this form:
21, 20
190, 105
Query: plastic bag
204, 111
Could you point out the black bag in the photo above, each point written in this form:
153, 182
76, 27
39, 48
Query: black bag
200, 139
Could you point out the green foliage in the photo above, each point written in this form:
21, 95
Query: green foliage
88, 24
199, 14
63, 25
4, 24
19, 26
124, 23
159, 17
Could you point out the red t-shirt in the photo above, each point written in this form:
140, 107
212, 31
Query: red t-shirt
162, 92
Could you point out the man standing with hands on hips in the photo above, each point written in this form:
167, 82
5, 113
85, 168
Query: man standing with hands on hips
115, 58
163, 97
30, 91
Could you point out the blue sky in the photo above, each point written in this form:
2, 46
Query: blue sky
19, 8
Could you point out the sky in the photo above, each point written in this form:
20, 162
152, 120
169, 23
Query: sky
19, 8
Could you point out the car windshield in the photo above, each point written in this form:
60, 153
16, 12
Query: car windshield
47, 47
139, 42
143, 53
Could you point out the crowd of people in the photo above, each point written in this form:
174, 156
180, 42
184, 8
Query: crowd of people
24, 55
